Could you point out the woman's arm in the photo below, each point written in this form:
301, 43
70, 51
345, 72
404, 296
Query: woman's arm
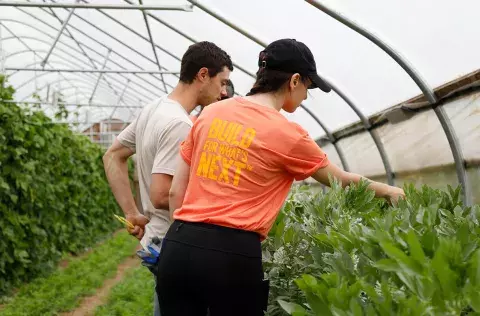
179, 186
381, 189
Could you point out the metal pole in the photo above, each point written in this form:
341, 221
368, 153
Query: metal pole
186, 8
191, 39
415, 75
28, 47
228, 22
87, 87
80, 47
422, 84
80, 79
368, 127
78, 66
119, 99
84, 122
2, 54
120, 41
44, 62
331, 138
101, 71
96, 105
99, 76
460, 163
138, 34
94, 40
153, 47
264, 44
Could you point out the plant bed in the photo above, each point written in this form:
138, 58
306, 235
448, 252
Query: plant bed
64, 289
345, 252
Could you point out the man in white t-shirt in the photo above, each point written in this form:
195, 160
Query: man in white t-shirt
155, 137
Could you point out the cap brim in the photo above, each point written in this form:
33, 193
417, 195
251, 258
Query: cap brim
318, 82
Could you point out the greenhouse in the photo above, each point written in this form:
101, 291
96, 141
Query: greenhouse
404, 110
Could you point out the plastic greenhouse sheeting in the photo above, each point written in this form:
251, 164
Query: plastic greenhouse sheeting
438, 37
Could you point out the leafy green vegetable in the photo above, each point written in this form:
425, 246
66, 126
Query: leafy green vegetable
54, 196
344, 252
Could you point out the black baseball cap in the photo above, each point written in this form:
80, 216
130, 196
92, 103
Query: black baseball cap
292, 56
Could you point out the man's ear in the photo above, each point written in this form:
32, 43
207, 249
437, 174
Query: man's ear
202, 74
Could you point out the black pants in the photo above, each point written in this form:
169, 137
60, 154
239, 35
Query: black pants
205, 266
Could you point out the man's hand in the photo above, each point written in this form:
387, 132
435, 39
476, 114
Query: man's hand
139, 221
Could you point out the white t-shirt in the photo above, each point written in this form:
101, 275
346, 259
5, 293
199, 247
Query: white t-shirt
155, 137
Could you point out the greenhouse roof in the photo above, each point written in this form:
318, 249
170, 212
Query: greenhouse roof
88, 51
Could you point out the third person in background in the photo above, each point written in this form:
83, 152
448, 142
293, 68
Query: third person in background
230, 92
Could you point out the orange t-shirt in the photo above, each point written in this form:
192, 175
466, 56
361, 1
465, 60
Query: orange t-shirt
243, 160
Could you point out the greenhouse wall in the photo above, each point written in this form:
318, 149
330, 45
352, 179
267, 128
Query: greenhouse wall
418, 149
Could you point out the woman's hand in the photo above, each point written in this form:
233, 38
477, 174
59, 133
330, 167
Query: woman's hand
390, 193
394, 194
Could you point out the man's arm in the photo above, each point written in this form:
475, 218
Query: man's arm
116, 169
166, 160
159, 189
179, 186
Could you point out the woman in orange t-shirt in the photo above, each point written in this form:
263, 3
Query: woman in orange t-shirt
238, 164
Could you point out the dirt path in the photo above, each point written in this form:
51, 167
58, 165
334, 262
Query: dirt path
64, 263
90, 303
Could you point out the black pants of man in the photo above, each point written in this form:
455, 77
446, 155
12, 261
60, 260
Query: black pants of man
204, 266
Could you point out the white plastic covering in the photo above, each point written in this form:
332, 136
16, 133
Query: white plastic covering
439, 37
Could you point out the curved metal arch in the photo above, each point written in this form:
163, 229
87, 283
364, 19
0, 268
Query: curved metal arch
52, 108
42, 51
87, 46
81, 85
61, 57
81, 99
101, 84
109, 35
339, 152
99, 101
73, 80
58, 62
26, 45
82, 112
94, 110
368, 127
422, 84
40, 31
77, 80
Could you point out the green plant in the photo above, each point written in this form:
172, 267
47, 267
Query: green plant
132, 296
54, 196
361, 257
62, 290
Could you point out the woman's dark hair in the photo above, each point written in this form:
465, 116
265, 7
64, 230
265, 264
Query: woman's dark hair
203, 54
269, 80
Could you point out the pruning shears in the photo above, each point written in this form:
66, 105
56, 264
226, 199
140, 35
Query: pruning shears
124, 221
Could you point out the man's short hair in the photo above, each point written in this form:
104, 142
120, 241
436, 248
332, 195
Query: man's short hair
203, 54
